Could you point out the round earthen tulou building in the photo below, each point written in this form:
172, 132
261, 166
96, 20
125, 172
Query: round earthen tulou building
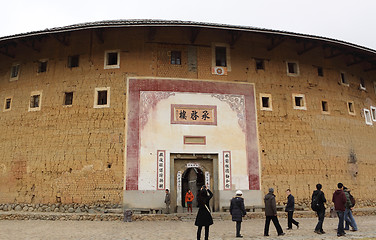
115, 112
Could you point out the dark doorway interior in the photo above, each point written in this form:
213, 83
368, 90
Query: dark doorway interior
192, 178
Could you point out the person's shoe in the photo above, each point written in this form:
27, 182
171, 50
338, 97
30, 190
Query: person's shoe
288, 228
266, 235
354, 230
340, 234
281, 234
297, 225
317, 231
322, 232
239, 236
346, 229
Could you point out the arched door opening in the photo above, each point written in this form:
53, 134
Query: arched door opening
193, 179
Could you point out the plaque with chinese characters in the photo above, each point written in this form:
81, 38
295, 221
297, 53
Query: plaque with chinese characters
193, 114
227, 170
161, 161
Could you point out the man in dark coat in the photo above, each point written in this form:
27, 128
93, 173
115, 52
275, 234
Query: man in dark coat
271, 213
320, 209
237, 211
290, 207
339, 200
203, 217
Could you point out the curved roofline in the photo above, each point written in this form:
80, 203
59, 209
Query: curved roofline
175, 23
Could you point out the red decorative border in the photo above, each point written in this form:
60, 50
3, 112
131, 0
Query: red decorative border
173, 106
164, 169
136, 85
195, 143
224, 183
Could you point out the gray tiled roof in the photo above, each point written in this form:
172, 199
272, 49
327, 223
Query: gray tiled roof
165, 23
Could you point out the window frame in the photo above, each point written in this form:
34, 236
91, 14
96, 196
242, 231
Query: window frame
373, 113
320, 71
368, 116
5, 104
295, 74
96, 95
257, 63
65, 99
228, 58
70, 61
269, 96
32, 94
327, 105
18, 72
295, 95
344, 79
172, 54
112, 66
40, 62
349, 108
362, 84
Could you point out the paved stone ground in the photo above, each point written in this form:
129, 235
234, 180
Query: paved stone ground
181, 230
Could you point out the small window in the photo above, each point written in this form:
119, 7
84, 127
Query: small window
367, 116
350, 108
7, 104
220, 57
112, 59
320, 72
266, 102
299, 101
362, 85
68, 98
373, 113
344, 79
292, 69
324, 107
35, 101
73, 61
260, 64
42, 66
102, 97
175, 57
14, 72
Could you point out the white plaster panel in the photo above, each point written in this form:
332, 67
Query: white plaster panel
159, 134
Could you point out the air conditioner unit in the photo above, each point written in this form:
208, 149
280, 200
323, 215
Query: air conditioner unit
219, 71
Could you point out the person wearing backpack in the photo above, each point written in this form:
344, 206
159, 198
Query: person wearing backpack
317, 205
339, 200
349, 218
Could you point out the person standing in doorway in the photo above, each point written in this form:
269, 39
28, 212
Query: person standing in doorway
290, 207
271, 213
339, 200
349, 218
188, 199
203, 217
318, 199
167, 201
237, 211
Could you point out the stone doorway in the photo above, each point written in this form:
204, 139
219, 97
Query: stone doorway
193, 171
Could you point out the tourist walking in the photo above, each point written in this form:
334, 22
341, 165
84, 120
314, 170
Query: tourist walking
290, 207
203, 217
188, 199
271, 213
339, 200
167, 201
317, 205
237, 211
349, 218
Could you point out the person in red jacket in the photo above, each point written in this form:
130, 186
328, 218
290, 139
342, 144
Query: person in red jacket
188, 199
339, 200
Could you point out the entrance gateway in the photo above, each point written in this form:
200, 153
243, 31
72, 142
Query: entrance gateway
192, 171
185, 133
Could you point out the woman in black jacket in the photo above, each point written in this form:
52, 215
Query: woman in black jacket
237, 211
203, 217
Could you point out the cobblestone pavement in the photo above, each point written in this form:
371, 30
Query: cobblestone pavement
181, 230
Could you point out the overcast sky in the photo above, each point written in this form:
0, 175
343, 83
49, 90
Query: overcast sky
352, 21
